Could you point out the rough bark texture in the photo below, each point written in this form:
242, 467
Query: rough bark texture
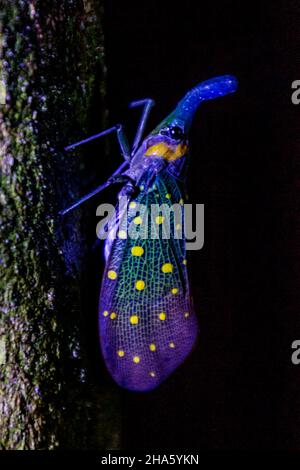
52, 66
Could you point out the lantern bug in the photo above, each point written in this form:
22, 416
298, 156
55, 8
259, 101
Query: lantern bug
147, 323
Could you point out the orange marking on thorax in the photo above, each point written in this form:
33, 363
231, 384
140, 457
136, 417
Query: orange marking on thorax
169, 152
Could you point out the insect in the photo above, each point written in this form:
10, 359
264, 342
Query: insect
146, 319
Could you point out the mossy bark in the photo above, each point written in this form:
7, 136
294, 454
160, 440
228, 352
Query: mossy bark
51, 68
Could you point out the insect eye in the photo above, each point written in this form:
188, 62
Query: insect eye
176, 133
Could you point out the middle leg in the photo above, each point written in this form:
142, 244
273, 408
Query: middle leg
148, 104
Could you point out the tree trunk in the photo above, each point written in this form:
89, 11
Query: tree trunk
51, 69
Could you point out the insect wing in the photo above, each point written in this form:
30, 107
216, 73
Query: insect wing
147, 323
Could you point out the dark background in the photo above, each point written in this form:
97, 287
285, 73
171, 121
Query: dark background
238, 389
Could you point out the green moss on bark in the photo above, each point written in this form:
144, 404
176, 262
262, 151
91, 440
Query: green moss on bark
52, 64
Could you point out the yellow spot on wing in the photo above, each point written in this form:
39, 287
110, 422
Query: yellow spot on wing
152, 347
132, 205
136, 359
140, 285
171, 345
184, 262
186, 314
105, 313
167, 268
137, 220
137, 251
121, 353
181, 202
112, 275
159, 219
134, 319
168, 196
113, 315
174, 290
162, 316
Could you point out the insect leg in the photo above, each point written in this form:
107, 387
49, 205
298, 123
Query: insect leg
124, 146
97, 190
148, 104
